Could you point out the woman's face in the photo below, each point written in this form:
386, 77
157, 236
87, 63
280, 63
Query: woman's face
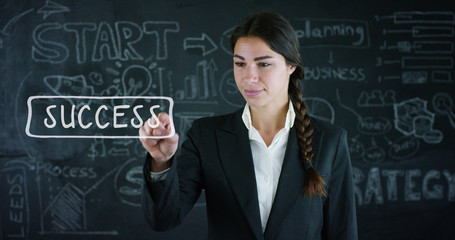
261, 75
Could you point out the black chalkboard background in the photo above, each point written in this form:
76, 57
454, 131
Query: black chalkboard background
383, 70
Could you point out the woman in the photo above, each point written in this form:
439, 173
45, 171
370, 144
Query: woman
269, 170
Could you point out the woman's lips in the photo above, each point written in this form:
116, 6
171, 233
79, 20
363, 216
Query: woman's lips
252, 93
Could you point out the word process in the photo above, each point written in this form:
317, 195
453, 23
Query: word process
95, 117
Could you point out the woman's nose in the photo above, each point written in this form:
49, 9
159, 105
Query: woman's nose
251, 75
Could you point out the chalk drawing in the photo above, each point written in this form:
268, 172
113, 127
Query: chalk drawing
356, 148
374, 154
422, 47
413, 118
417, 17
203, 45
373, 125
97, 149
128, 182
438, 76
443, 105
118, 152
67, 212
331, 59
136, 81
229, 91
52, 7
70, 86
5, 32
96, 78
225, 40
376, 98
403, 147
320, 108
426, 62
414, 77
199, 88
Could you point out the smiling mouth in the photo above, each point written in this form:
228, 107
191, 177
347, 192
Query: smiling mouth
252, 93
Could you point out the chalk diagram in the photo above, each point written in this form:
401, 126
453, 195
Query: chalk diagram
411, 36
411, 118
320, 108
199, 88
67, 212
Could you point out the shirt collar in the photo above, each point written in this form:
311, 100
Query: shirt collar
290, 117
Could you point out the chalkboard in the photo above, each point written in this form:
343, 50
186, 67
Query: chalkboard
383, 70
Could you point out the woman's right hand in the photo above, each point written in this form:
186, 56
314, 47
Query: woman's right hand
161, 150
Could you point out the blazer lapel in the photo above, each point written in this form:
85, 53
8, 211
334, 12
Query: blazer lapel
236, 158
291, 183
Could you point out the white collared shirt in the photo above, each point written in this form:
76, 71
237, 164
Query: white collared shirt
267, 160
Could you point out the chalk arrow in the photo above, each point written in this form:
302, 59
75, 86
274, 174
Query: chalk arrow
52, 7
204, 44
119, 152
331, 60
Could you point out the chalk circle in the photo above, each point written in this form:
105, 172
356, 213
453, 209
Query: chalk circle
229, 91
225, 40
128, 182
374, 154
433, 137
320, 109
442, 103
404, 147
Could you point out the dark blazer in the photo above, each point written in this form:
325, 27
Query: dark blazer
217, 157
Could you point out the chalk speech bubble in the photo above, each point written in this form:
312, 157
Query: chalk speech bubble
94, 116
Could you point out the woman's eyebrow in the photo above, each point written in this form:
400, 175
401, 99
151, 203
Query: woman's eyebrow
238, 56
262, 58
256, 59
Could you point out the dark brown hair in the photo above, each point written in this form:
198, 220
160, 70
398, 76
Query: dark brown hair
281, 37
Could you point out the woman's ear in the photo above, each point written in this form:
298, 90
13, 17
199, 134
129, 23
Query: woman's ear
291, 69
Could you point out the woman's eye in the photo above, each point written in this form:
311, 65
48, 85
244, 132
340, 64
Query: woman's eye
240, 64
263, 64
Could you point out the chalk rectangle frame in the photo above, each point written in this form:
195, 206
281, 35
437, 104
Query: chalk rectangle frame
29, 116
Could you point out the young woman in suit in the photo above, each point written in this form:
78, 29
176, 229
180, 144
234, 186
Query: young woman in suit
269, 170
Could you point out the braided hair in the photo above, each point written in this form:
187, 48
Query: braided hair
281, 37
